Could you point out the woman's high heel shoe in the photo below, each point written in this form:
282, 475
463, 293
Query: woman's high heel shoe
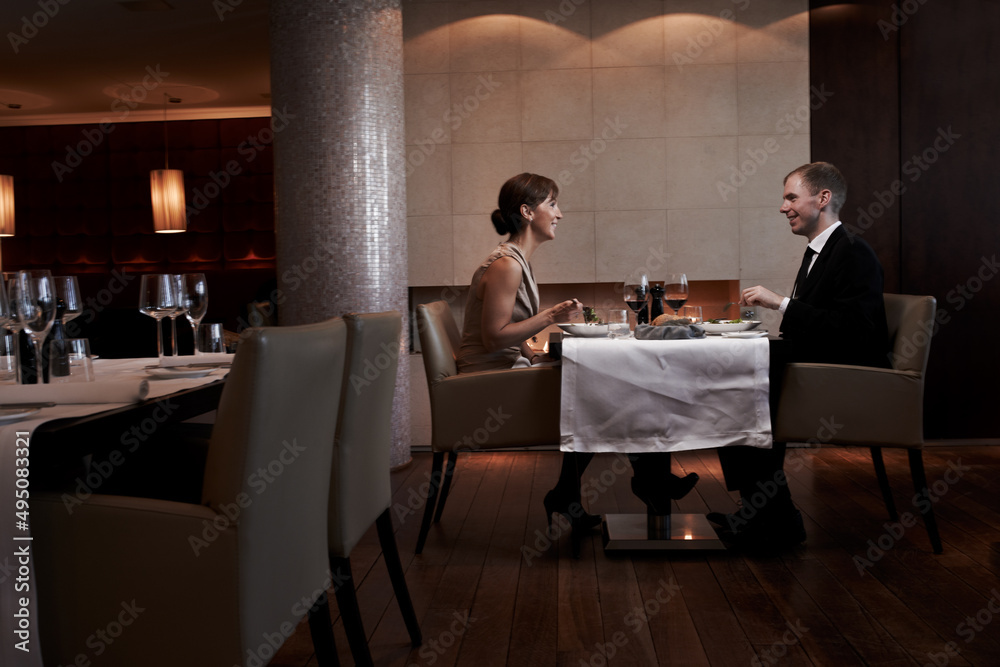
571, 508
579, 520
657, 497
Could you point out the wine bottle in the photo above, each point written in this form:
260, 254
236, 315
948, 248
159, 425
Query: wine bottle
656, 293
58, 332
26, 353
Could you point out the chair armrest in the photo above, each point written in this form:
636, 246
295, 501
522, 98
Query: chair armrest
851, 405
115, 556
493, 409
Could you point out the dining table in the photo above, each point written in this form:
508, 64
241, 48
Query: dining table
630, 396
46, 428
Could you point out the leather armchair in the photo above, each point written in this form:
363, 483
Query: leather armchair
222, 582
873, 407
484, 410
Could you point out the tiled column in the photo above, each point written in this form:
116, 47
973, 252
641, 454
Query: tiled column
337, 98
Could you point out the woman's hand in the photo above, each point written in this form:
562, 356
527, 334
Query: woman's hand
564, 312
541, 358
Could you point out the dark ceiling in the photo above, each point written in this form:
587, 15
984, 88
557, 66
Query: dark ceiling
78, 61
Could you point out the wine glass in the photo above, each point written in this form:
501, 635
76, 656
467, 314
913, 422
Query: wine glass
4, 304
178, 282
675, 289
13, 319
158, 298
34, 299
8, 346
635, 290
194, 297
68, 290
68, 303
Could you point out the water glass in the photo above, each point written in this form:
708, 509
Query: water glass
8, 358
211, 338
617, 323
693, 313
69, 361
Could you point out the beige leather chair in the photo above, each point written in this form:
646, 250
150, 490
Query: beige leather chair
472, 411
360, 492
873, 407
227, 581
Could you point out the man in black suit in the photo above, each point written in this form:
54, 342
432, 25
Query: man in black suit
835, 314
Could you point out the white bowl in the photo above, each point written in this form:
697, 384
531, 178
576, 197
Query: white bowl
585, 330
726, 325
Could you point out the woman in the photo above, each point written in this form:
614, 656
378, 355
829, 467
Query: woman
502, 310
502, 313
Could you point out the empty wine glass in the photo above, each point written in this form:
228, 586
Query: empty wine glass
178, 281
158, 298
68, 290
194, 297
13, 319
4, 305
675, 289
34, 300
635, 290
8, 344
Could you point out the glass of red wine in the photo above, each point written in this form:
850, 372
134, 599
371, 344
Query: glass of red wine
635, 290
675, 289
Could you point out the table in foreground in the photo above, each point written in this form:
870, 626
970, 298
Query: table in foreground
663, 396
42, 443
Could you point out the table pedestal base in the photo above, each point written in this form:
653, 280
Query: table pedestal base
679, 532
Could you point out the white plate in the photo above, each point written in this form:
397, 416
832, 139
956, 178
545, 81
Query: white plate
726, 325
585, 330
179, 372
744, 334
13, 414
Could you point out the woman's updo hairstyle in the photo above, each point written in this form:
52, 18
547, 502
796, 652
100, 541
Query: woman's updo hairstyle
530, 189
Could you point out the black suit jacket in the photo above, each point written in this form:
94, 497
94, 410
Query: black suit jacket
838, 314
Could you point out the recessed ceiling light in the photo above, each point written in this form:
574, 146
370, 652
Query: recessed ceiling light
140, 93
146, 5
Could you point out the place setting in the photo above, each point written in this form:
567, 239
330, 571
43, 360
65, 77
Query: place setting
169, 296
53, 368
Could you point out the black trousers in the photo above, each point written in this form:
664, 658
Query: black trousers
758, 474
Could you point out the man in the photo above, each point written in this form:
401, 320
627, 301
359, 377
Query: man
835, 314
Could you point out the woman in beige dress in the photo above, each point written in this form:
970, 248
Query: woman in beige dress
502, 312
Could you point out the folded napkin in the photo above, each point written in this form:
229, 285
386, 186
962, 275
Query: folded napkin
108, 391
197, 359
668, 332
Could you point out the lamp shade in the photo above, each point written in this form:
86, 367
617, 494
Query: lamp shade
6, 205
167, 192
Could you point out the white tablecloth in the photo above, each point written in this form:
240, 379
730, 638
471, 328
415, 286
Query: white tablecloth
664, 396
13, 537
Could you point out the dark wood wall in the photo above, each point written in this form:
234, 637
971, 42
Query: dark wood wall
913, 123
83, 208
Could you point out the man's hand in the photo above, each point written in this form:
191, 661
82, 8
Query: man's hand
760, 296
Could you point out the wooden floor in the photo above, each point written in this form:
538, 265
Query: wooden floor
489, 588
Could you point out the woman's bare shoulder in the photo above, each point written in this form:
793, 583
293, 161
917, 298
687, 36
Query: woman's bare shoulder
504, 268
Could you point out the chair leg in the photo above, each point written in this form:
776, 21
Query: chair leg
321, 631
391, 554
449, 472
920, 486
437, 462
883, 482
347, 600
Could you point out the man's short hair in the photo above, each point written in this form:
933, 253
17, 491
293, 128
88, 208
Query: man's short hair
823, 176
